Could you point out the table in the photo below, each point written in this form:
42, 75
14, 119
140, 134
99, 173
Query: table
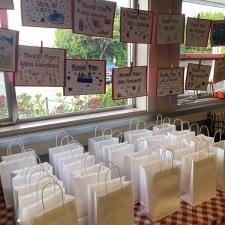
209, 213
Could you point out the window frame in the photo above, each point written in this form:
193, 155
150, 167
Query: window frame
13, 113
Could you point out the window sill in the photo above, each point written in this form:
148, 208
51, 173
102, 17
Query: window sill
47, 124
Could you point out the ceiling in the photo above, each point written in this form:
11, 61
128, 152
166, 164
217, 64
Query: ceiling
217, 3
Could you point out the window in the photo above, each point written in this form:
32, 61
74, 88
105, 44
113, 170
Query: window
205, 12
46, 101
4, 114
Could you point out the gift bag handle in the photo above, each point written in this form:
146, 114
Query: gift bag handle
197, 127
207, 144
28, 156
96, 130
99, 169
31, 175
42, 194
138, 124
181, 123
218, 132
15, 142
62, 133
155, 148
207, 130
144, 140
44, 177
110, 169
161, 159
67, 137
120, 135
131, 122
83, 161
157, 119
168, 120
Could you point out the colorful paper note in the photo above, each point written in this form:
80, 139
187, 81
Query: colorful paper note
219, 70
218, 33
94, 18
8, 50
170, 29
40, 67
170, 81
197, 32
6, 4
197, 77
129, 82
85, 77
45, 13
136, 26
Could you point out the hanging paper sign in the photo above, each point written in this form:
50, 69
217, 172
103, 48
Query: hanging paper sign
94, 18
197, 32
129, 82
40, 67
8, 50
85, 77
170, 81
197, 77
218, 33
219, 70
6, 4
170, 29
45, 13
136, 26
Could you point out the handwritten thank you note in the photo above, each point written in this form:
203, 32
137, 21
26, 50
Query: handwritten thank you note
6, 4
170, 29
85, 77
197, 32
197, 77
94, 18
219, 70
45, 13
8, 47
170, 81
129, 82
218, 33
136, 26
36, 68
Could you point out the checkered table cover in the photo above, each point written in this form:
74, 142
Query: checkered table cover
209, 213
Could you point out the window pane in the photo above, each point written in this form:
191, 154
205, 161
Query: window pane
44, 101
3, 99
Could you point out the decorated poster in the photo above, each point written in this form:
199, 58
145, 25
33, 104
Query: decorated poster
218, 33
40, 67
197, 32
136, 26
85, 77
129, 82
219, 70
197, 77
170, 81
8, 50
6, 4
170, 29
94, 18
45, 13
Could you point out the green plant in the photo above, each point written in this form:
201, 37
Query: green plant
3, 107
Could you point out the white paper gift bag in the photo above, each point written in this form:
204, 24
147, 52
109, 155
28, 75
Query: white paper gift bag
195, 188
160, 187
80, 185
136, 162
68, 169
6, 167
164, 127
111, 203
116, 157
219, 149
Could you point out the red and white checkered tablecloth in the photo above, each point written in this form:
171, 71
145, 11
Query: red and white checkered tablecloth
209, 213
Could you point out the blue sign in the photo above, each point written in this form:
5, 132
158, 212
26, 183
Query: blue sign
218, 33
